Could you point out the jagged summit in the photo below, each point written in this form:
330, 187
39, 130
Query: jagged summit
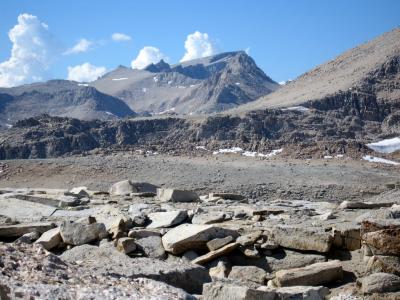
204, 85
161, 66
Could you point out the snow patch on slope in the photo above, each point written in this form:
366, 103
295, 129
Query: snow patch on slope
380, 160
386, 146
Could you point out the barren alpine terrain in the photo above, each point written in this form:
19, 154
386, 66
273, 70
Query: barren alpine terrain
203, 179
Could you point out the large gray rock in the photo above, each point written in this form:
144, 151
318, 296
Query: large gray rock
122, 188
107, 260
18, 230
78, 234
380, 283
312, 275
174, 195
191, 237
299, 238
50, 239
248, 273
223, 291
166, 219
151, 246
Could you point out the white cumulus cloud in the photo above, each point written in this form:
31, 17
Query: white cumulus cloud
198, 45
120, 37
33, 50
83, 45
85, 72
147, 55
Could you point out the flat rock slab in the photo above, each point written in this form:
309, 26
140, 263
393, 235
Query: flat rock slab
24, 210
363, 205
302, 292
218, 243
15, 231
248, 273
107, 260
214, 254
305, 239
287, 259
191, 237
174, 195
166, 219
208, 218
50, 200
312, 275
224, 291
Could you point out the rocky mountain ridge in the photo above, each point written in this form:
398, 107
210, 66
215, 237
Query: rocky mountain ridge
59, 98
205, 85
356, 69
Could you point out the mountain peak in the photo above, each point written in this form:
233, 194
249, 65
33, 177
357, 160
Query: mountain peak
161, 66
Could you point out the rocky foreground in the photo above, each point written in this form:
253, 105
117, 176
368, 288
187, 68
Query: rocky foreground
139, 241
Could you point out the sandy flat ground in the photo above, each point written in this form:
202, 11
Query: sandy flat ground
332, 180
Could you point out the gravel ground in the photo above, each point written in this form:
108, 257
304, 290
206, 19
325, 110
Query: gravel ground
332, 180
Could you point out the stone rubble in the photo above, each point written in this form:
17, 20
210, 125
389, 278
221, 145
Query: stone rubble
139, 240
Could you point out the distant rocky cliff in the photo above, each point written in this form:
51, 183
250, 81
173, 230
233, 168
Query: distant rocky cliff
339, 124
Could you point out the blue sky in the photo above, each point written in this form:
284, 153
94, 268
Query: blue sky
286, 38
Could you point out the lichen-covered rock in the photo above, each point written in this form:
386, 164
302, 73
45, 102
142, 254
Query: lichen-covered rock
380, 283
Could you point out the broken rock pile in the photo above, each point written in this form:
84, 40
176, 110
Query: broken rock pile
141, 241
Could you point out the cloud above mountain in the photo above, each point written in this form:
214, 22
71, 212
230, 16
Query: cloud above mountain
120, 37
83, 45
85, 72
34, 48
147, 55
198, 45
